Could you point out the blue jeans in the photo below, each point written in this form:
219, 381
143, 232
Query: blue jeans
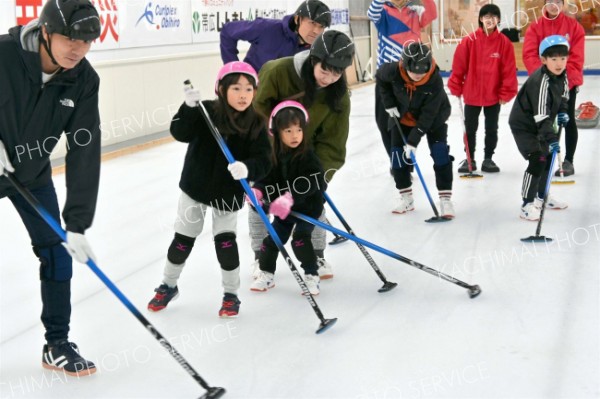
56, 266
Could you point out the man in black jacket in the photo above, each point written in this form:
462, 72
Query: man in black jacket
47, 88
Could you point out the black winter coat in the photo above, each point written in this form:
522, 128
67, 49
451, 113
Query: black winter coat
303, 177
33, 116
205, 177
541, 98
428, 103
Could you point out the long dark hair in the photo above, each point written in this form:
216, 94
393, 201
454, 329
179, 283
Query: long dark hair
282, 120
248, 122
333, 93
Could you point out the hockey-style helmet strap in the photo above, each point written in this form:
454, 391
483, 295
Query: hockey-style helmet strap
286, 104
417, 58
235, 67
76, 19
334, 48
553, 40
315, 10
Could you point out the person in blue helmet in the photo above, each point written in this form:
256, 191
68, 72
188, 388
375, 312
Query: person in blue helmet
543, 97
47, 88
275, 38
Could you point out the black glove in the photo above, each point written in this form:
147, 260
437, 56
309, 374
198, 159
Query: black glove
414, 137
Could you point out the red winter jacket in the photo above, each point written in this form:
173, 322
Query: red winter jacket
484, 70
561, 25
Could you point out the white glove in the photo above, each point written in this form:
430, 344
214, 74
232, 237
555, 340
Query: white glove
192, 96
238, 170
4, 161
78, 247
409, 150
393, 112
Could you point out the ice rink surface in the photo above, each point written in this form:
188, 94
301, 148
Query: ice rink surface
534, 332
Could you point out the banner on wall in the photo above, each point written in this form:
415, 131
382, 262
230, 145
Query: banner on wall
26, 10
146, 23
109, 23
209, 16
154, 22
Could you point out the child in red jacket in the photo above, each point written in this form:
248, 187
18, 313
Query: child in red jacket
484, 74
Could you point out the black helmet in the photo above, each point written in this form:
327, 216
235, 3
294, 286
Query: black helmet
76, 19
334, 48
315, 10
416, 58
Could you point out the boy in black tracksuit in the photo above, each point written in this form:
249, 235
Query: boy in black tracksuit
543, 96
412, 90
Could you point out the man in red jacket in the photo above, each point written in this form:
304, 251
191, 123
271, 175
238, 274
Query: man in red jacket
484, 73
554, 22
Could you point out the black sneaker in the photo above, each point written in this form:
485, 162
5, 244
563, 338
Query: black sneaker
163, 296
489, 166
64, 356
567, 168
464, 167
230, 307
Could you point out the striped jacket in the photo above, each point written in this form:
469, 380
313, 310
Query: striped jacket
396, 26
540, 99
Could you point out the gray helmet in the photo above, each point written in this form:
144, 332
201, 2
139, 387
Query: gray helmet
76, 19
416, 58
315, 10
334, 48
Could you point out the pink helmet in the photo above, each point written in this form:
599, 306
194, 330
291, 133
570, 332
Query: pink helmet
286, 104
235, 67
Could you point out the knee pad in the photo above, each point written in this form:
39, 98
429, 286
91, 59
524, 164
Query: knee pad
398, 159
180, 249
227, 251
537, 163
440, 152
303, 248
55, 263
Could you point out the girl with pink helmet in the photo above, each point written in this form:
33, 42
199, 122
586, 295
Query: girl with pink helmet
208, 180
296, 183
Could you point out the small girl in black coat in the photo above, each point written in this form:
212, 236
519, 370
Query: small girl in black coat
206, 181
296, 183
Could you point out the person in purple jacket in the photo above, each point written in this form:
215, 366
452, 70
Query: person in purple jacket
275, 38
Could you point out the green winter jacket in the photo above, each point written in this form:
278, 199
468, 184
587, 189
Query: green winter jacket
327, 130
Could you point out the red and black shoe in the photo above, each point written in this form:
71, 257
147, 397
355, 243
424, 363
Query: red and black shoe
230, 307
164, 295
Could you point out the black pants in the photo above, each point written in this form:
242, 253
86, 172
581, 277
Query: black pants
301, 245
55, 262
382, 118
571, 132
491, 114
439, 151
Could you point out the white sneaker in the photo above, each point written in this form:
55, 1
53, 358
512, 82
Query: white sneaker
263, 282
446, 208
552, 203
255, 269
325, 269
530, 212
406, 204
312, 283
